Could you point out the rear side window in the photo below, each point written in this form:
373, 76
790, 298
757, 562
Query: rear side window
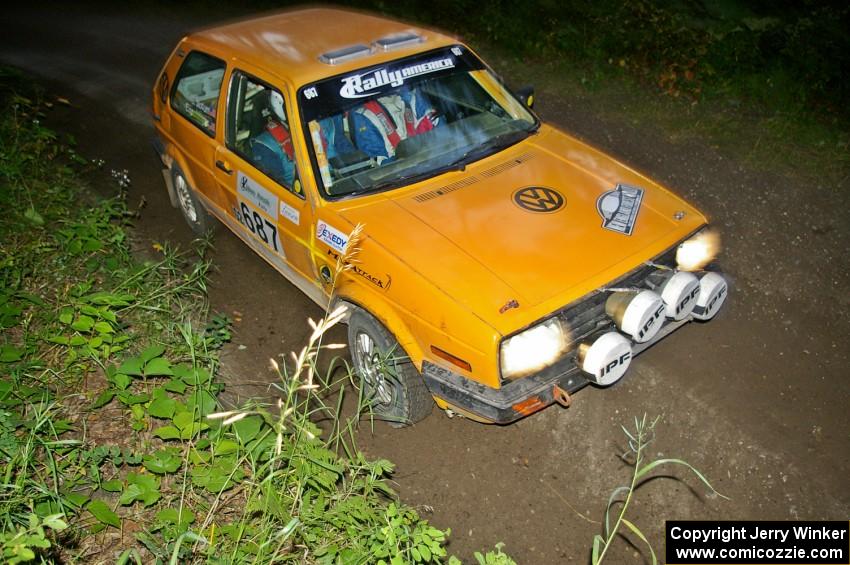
197, 88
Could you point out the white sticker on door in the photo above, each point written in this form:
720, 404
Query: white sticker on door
256, 194
290, 213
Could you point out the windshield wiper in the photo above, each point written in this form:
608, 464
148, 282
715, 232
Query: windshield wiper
416, 177
490, 146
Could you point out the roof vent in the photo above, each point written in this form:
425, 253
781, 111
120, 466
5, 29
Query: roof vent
344, 54
397, 40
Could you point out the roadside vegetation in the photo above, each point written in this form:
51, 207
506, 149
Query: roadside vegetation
113, 447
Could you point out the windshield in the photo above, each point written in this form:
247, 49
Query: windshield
389, 125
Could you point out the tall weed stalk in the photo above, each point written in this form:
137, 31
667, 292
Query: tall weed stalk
638, 440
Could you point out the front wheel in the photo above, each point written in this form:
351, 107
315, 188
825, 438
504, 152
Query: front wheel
391, 384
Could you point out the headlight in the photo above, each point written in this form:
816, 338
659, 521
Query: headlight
698, 251
534, 349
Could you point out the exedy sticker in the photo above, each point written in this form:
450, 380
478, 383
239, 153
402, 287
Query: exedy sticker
332, 236
368, 84
619, 208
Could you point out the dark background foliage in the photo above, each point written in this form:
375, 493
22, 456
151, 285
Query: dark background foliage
785, 55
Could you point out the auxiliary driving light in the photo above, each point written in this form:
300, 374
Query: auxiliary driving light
607, 359
680, 295
638, 314
713, 291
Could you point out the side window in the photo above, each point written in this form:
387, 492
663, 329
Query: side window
197, 88
258, 129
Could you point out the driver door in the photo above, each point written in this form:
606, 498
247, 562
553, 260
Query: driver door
267, 209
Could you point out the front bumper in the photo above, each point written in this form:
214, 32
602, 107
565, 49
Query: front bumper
586, 318
523, 396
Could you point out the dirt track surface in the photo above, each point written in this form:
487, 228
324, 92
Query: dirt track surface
757, 399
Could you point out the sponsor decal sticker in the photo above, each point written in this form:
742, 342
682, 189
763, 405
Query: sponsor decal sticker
539, 199
255, 193
332, 236
290, 213
318, 99
383, 284
368, 84
619, 208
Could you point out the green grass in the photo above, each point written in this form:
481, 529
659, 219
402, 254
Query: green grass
112, 441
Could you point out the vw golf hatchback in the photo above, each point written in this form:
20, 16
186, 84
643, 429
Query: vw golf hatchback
503, 264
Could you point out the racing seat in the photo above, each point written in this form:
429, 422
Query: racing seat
271, 147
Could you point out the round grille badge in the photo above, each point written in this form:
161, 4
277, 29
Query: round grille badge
539, 199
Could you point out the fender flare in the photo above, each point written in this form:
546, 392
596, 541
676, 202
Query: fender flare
354, 297
386, 315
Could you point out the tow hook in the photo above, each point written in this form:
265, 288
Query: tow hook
561, 396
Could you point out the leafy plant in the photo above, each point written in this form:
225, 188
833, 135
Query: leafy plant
22, 544
494, 557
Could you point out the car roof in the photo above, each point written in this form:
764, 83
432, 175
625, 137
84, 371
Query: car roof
290, 44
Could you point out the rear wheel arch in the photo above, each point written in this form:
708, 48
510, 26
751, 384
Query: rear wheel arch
191, 206
172, 158
176, 159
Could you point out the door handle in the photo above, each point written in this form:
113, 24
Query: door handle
223, 166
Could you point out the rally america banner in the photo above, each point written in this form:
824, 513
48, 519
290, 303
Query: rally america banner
351, 89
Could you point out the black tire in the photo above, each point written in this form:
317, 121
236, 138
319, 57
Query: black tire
190, 206
390, 382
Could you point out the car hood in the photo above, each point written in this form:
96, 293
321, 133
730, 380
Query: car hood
469, 234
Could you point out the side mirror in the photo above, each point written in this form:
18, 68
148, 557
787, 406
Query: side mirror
526, 95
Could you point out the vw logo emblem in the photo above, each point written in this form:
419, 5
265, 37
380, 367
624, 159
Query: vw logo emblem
539, 199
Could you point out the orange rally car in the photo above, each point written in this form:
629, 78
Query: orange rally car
502, 264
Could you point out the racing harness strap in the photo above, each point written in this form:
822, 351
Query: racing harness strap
283, 138
383, 120
416, 126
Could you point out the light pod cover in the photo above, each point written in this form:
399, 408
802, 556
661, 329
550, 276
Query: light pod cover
713, 291
637, 314
680, 295
607, 359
